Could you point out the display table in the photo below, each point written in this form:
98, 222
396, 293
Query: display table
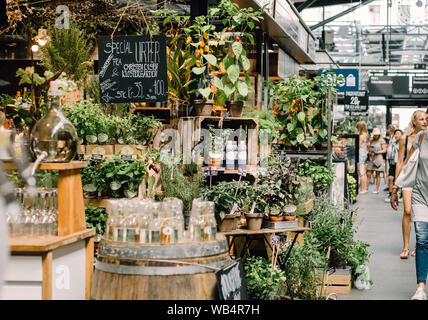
50, 268
251, 235
55, 267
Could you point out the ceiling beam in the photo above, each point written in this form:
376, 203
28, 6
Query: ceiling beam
305, 5
322, 23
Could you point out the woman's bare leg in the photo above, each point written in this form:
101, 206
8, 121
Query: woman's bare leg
363, 177
406, 223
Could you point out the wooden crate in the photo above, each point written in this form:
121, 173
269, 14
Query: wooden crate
127, 149
106, 150
81, 149
339, 282
190, 133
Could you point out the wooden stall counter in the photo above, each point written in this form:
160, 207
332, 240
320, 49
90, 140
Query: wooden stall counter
54, 267
50, 268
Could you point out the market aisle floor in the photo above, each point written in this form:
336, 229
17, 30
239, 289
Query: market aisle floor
379, 225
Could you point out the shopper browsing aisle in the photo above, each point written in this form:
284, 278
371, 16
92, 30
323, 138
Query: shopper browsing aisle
419, 208
363, 155
417, 123
376, 163
392, 158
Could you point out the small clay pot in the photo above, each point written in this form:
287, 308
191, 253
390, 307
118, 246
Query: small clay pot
215, 162
275, 218
254, 221
289, 218
203, 107
236, 108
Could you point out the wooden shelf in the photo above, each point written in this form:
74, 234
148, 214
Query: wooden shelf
263, 231
52, 166
48, 243
251, 170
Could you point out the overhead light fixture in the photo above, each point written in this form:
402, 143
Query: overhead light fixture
34, 48
419, 3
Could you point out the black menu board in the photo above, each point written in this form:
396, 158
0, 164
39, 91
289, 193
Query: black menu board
132, 69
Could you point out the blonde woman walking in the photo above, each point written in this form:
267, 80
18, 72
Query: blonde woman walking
363, 155
419, 209
417, 123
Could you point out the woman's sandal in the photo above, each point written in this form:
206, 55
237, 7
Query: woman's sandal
413, 254
406, 254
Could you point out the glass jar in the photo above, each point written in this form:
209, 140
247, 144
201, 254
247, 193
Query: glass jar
54, 135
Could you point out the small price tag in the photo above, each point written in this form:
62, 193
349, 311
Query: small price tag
234, 208
242, 172
207, 171
225, 114
214, 171
274, 239
97, 157
126, 157
176, 166
253, 207
331, 270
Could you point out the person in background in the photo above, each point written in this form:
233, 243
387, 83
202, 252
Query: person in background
419, 204
417, 123
363, 155
388, 138
392, 157
376, 163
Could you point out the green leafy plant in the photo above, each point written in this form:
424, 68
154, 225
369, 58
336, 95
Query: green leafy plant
281, 179
96, 219
181, 183
352, 187
267, 123
302, 268
321, 176
223, 195
263, 281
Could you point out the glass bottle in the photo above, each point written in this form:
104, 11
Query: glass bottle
242, 154
132, 230
55, 135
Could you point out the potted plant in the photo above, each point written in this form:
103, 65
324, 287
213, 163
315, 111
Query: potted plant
281, 179
182, 183
289, 212
198, 35
257, 194
223, 195
217, 146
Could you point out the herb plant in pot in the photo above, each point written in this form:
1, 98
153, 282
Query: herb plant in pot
290, 212
256, 197
230, 86
198, 35
217, 147
223, 195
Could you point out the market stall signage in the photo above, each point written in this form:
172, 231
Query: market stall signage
356, 101
132, 69
231, 282
388, 85
347, 79
420, 86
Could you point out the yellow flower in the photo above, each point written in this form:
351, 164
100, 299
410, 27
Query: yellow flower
207, 49
188, 40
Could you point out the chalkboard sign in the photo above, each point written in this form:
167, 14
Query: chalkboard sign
231, 282
132, 69
356, 101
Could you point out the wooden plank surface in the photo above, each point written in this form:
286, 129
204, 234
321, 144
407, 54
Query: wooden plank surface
44, 244
263, 231
52, 166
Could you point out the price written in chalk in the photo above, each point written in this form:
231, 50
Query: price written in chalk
132, 69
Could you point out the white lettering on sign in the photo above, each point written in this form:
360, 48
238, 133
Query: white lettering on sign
107, 85
147, 52
62, 281
118, 47
106, 65
231, 283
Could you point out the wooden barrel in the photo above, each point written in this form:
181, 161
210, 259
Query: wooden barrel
130, 271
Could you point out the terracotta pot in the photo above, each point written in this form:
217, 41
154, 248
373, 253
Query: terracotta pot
203, 107
275, 218
236, 108
254, 221
289, 218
